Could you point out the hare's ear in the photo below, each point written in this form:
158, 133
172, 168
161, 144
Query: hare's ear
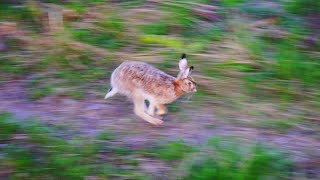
183, 64
187, 72
184, 68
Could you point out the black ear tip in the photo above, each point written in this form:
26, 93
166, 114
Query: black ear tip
191, 67
183, 56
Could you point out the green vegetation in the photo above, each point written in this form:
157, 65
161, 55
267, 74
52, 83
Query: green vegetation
95, 38
37, 150
232, 3
158, 28
227, 160
307, 7
12, 66
173, 151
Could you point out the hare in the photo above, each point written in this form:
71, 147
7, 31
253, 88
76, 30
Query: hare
141, 81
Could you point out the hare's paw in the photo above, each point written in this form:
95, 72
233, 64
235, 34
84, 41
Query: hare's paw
156, 122
162, 110
161, 113
150, 111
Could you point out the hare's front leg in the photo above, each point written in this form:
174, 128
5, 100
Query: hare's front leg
152, 108
162, 109
139, 111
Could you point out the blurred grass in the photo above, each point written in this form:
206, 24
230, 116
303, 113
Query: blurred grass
307, 7
227, 160
171, 151
281, 70
36, 150
41, 152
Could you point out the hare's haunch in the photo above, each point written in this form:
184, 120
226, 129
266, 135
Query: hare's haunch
140, 81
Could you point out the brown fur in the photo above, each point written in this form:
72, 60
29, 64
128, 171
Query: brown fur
140, 81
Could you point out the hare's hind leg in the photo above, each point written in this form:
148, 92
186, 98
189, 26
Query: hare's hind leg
162, 109
112, 91
139, 111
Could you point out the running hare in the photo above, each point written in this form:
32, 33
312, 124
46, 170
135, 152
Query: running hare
141, 81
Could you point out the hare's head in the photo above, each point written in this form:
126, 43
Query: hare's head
184, 80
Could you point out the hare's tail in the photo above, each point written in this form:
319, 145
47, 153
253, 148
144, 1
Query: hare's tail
111, 92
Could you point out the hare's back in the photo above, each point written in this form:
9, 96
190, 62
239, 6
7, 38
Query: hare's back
132, 74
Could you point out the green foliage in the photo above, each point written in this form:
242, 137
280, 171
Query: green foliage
232, 3
37, 88
9, 12
180, 17
109, 33
305, 7
114, 25
175, 150
96, 38
290, 65
40, 92
12, 66
79, 6
295, 25
25, 14
158, 28
171, 42
199, 41
261, 10
74, 71
7, 128
226, 159
41, 152
282, 62
105, 135
214, 33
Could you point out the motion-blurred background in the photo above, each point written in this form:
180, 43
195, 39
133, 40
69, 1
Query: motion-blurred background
256, 114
